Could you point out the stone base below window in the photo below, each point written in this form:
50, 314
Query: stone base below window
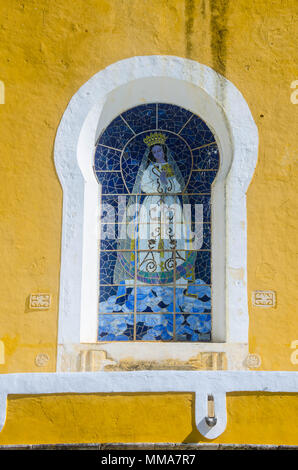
169, 356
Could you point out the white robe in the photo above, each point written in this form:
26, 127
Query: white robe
161, 224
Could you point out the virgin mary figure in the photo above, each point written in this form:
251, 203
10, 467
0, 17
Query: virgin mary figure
160, 241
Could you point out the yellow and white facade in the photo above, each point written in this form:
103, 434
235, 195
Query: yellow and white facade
232, 63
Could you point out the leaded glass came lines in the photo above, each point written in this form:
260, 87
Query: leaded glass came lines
156, 164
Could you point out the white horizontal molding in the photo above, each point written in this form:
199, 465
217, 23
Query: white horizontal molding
202, 383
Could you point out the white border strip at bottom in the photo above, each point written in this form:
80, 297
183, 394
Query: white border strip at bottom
202, 383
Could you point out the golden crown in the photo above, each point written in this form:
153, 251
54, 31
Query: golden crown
155, 139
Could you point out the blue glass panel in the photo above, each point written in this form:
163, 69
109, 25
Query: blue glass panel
118, 236
192, 273
116, 299
115, 327
200, 205
203, 266
106, 159
197, 268
197, 133
111, 182
116, 134
141, 118
131, 160
201, 239
206, 158
171, 117
194, 298
206, 237
154, 327
117, 209
108, 237
155, 299
193, 327
194, 239
116, 267
107, 265
200, 181
181, 153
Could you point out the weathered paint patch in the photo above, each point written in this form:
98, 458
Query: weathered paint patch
203, 361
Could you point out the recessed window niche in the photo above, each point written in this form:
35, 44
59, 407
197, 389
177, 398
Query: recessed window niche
155, 164
167, 128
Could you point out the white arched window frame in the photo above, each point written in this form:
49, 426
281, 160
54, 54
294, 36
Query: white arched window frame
217, 101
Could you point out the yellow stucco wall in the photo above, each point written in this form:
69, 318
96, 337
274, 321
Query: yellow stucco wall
263, 419
49, 48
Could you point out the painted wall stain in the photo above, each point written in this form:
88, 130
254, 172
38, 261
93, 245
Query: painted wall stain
219, 33
189, 23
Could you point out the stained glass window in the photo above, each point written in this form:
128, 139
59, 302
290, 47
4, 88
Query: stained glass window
156, 164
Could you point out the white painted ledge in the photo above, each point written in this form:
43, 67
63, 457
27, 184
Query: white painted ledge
202, 383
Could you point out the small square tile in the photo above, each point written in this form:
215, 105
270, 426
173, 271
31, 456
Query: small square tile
264, 298
40, 301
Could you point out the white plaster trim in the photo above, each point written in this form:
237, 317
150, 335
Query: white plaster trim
202, 383
118, 87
